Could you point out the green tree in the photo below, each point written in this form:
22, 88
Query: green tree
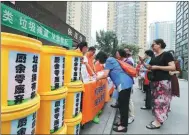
107, 41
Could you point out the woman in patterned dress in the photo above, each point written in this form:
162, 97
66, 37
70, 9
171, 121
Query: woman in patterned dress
160, 66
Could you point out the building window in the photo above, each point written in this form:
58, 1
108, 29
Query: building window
185, 3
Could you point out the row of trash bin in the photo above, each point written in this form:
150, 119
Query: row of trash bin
41, 87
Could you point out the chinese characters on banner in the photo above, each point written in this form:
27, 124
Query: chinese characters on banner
24, 126
57, 72
22, 77
77, 129
21, 22
76, 70
57, 115
34, 75
77, 104
63, 67
100, 94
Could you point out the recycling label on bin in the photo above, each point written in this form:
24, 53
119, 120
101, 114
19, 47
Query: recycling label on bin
24, 125
22, 77
100, 95
77, 129
57, 115
77, 104
57, 72
76, 69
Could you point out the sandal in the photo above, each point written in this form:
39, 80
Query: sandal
122, 130
152, 126
117, 124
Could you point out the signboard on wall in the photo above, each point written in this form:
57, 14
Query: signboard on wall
51, 17
16, 20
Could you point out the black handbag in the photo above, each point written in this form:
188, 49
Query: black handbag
150, 74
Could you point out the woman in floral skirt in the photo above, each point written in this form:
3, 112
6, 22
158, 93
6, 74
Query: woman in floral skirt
160, 66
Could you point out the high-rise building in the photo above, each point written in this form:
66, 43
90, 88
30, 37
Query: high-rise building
129, 21
79, 15
164, 30
110, 16
182, 31
93, 42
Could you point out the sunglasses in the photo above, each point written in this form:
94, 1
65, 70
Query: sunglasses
153, 45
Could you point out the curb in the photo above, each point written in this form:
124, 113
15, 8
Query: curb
108, 128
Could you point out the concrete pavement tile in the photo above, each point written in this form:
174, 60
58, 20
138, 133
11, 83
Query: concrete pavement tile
177, 122
105, 122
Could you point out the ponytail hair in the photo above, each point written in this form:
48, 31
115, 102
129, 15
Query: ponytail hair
161, 43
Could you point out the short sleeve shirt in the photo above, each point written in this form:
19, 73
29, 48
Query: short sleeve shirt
161, 60
119, 77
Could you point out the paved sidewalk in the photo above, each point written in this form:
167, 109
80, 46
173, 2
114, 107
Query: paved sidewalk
106, 122
177, 122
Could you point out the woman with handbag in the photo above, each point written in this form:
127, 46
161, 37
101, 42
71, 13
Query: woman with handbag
160, 65
123, 83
